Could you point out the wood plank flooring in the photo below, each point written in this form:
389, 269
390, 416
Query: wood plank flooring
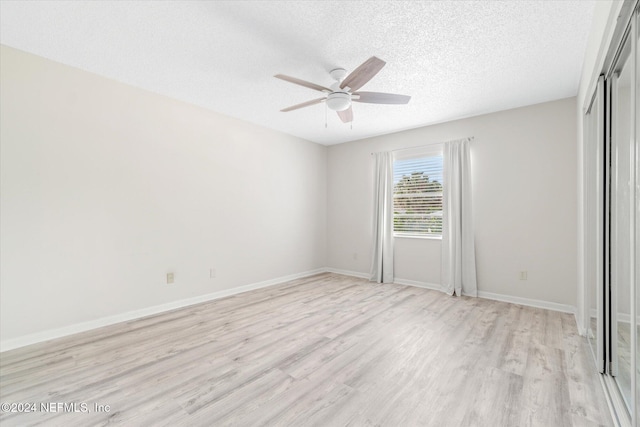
327, 350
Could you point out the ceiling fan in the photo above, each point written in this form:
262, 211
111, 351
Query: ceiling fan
345, 90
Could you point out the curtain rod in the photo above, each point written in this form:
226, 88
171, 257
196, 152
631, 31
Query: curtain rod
469, 138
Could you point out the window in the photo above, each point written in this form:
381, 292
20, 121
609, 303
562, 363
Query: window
417, 194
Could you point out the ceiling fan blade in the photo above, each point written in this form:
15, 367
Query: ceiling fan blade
304, 104
347, 115
363, 73
302, 83
380, 98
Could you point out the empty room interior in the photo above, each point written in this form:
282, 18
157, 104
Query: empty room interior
327, 213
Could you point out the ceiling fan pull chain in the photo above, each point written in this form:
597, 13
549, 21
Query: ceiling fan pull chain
325, 115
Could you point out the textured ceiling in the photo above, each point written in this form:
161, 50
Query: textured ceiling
455, 58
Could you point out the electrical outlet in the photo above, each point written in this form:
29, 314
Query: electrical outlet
170, 278
212, 273
523, 275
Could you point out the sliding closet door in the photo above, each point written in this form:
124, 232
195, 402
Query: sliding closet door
612, 219
621, 213
593, 179
636, 203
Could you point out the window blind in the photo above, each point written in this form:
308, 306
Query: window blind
417, 195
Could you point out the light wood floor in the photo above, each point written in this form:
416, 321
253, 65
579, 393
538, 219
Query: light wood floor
327, 350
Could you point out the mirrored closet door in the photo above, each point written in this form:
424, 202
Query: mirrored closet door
621, 213
593, 178
635, 165
612, 220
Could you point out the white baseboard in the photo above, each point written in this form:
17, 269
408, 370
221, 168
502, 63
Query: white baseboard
26, 340
564, 308
417, 284
554, 306
347, 273
582, 331
406, 282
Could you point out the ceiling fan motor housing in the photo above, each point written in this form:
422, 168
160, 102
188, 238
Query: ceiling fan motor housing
338, 101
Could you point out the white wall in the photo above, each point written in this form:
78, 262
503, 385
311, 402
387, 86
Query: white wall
524, 180
105, 188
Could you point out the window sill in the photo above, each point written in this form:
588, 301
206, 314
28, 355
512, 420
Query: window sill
416, 236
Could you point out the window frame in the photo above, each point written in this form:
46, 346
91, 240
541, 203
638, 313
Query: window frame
432, 150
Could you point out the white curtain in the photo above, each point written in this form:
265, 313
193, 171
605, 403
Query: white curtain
458, 251
382, 262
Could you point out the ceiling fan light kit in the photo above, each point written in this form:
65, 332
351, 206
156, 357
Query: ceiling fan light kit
343, 91
339, 101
